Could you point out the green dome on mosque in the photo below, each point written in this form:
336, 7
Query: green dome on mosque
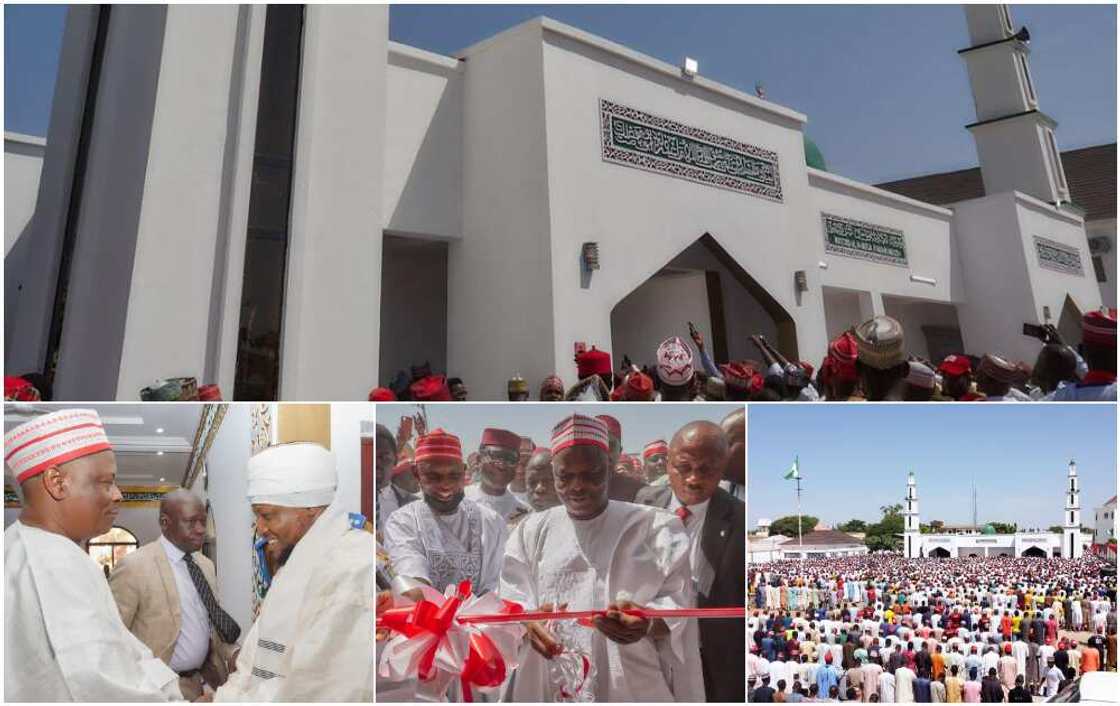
988, 529
813, 156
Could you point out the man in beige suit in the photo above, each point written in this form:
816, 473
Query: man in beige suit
166, 595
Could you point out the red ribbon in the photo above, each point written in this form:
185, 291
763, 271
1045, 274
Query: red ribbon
484, 665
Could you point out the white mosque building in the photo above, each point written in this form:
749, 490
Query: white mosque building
280, 200
986, 542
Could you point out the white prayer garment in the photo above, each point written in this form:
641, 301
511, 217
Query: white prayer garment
63, 635
634, 551
505, 504
313, 639
445, 549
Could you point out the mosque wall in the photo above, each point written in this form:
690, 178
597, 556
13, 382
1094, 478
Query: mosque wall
23, 162
423, 143
642, 217
180, 207
659, 307
226, 467
346, 444
1058, 258
500, 295
332, 302
846, 211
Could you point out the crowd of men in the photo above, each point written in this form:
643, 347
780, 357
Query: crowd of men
880, 628
577, 525
867, 362
155, 631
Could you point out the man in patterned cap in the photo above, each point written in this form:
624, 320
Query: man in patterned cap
63, 635
1098, 348
593, 553
654, 457
313, 637
498, 458
674, 370
919, 383
882, 362
447, 538
995, 377
518, 389
552, 389
622, 487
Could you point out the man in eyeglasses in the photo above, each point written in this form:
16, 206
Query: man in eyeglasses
498, 456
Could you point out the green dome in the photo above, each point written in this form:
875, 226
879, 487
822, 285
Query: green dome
813, 156
988, 529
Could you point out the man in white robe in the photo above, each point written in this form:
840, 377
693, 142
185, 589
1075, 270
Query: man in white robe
313, 637
594, 553
444, 538
499, 459
63, 635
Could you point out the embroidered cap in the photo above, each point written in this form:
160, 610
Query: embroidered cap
53, 439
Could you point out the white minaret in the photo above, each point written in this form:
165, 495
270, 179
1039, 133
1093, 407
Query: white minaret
1014, 139
1071, 530
912, 530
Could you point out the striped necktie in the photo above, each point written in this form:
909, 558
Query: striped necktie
225, 625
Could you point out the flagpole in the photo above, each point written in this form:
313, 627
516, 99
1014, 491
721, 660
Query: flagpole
800, 549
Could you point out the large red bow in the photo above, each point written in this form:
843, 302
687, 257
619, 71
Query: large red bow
431, 629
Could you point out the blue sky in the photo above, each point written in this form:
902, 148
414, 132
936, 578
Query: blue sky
854, 458
886, 94
641, 422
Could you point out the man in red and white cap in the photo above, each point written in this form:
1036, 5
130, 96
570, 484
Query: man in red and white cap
499, 456
956, 378
654, 457
1098, 348
447, 538
622, 487
64, 639
594, 553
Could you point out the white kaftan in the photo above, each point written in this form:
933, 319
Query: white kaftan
635, 550
63, 635
446, 549
313, 639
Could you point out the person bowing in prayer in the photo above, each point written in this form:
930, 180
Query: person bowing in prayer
716, 524
63, 636
447, 538
313, 637
595, 553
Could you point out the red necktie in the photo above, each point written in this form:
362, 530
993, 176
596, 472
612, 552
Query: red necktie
684, 513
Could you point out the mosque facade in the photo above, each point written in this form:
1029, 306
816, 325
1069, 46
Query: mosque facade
986, 542
282, 201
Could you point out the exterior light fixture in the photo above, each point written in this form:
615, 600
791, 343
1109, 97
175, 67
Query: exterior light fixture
590, 256
690, 67
800, 281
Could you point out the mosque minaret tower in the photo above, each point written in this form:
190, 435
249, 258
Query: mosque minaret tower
912, 528
1014, 138
1071, 532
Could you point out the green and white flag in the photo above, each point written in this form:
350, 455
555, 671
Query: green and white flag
794, 471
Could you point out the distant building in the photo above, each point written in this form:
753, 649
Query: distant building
1104, 525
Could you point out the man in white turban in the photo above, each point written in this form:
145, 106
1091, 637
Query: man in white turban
63, 635
313, 639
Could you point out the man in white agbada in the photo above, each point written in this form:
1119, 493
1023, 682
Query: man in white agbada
63, 635
498, 458
594, 553
445, 537
313, 638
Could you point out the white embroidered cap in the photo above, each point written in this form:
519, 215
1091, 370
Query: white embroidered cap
300, 474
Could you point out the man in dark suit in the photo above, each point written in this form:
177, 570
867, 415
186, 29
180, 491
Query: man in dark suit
716, 523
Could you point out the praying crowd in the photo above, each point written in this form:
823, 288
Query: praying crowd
574, 524
868, 362
880, 628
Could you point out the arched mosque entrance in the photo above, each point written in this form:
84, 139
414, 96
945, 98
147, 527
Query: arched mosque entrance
703, 284
1034, 553
939, 553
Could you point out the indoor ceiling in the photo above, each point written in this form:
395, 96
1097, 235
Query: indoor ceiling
152, 441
